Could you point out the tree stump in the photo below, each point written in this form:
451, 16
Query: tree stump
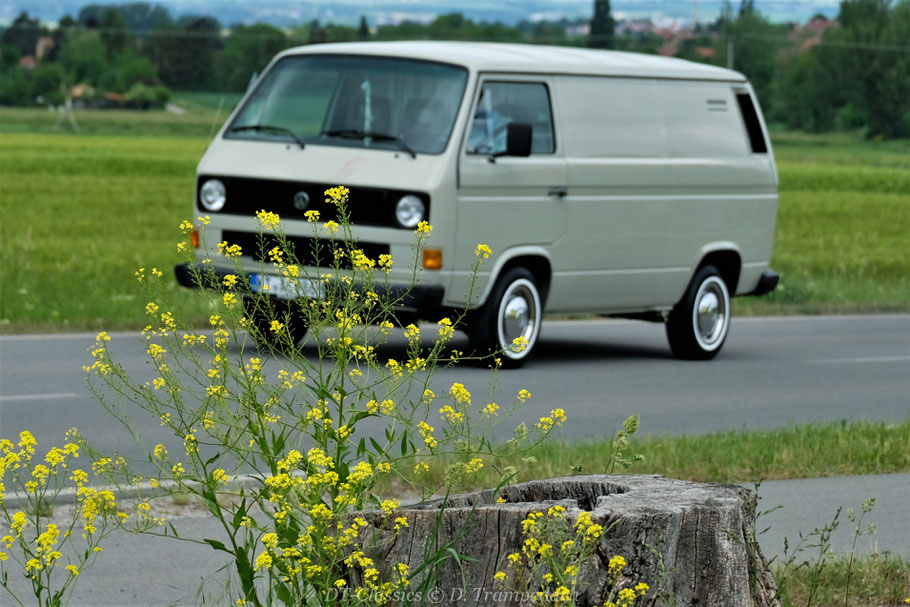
692, 543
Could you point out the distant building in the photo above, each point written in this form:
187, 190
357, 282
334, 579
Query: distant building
45, 43
28, 62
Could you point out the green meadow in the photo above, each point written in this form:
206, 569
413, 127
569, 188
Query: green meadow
80, 212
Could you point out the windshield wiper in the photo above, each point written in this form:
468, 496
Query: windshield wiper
268, 127
357, 134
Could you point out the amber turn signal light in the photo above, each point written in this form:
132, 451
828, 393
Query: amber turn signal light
432, 259
194, 239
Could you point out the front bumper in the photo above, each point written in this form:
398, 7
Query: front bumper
418, 297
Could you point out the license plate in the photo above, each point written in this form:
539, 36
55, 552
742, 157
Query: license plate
286, 288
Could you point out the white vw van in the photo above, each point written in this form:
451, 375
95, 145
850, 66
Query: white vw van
604, 182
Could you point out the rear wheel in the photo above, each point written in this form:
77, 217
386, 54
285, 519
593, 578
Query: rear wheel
698, 325
262, 311
509, 323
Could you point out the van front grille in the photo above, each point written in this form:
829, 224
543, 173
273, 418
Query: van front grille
366, 206
303, 249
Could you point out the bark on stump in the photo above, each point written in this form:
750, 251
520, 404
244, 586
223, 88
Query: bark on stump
693, 543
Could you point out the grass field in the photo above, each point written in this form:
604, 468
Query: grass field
80, 212
803, 451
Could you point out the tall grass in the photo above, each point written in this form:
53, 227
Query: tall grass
795, 451
79, 216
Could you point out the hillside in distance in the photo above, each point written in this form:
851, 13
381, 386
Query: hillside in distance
378, 12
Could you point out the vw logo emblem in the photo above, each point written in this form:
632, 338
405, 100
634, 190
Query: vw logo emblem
301, 200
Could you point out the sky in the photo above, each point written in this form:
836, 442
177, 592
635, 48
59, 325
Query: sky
294, 12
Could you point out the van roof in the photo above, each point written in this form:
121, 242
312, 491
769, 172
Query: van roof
530, 58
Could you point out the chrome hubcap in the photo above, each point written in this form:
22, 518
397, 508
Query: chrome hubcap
711, 314
519, 317
515, 322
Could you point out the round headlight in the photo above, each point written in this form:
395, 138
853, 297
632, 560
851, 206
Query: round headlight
213, 195
409, 211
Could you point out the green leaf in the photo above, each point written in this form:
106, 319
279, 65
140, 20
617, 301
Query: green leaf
376, 445
239, 514
217, 545
283, 594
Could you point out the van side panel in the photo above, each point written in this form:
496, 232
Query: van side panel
660, 171
732, 190
620, 250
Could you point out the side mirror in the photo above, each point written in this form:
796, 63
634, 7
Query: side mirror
518, 139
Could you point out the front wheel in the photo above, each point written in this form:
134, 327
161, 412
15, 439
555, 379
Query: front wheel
509, 323
698, 325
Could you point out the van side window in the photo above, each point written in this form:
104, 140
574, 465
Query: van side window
753, 127
502, 103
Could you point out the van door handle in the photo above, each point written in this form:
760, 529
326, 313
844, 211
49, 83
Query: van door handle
558, 193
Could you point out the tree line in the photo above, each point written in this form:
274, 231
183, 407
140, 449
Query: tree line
850, 73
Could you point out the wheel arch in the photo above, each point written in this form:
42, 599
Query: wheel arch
535, 260
725, 256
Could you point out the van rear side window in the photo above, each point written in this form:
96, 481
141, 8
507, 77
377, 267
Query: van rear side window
753, 127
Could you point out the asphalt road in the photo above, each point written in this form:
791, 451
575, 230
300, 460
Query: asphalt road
772, 372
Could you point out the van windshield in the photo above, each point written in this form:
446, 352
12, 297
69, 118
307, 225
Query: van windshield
354, 101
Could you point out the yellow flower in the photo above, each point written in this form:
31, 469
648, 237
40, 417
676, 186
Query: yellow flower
73, 570
204, 220
460, 394
385, 262
491, 409
232, 250
220, 476
263, 561
229, 281
474, 465
230, 300
103, 336
616, 565
421, 467
160, 451
523, 395
519, 344
268, 219
337, 195
18, 523
389, 506
499, 576
312, 216
276, 326
483, 250
423, 228
445, 329
331, 227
